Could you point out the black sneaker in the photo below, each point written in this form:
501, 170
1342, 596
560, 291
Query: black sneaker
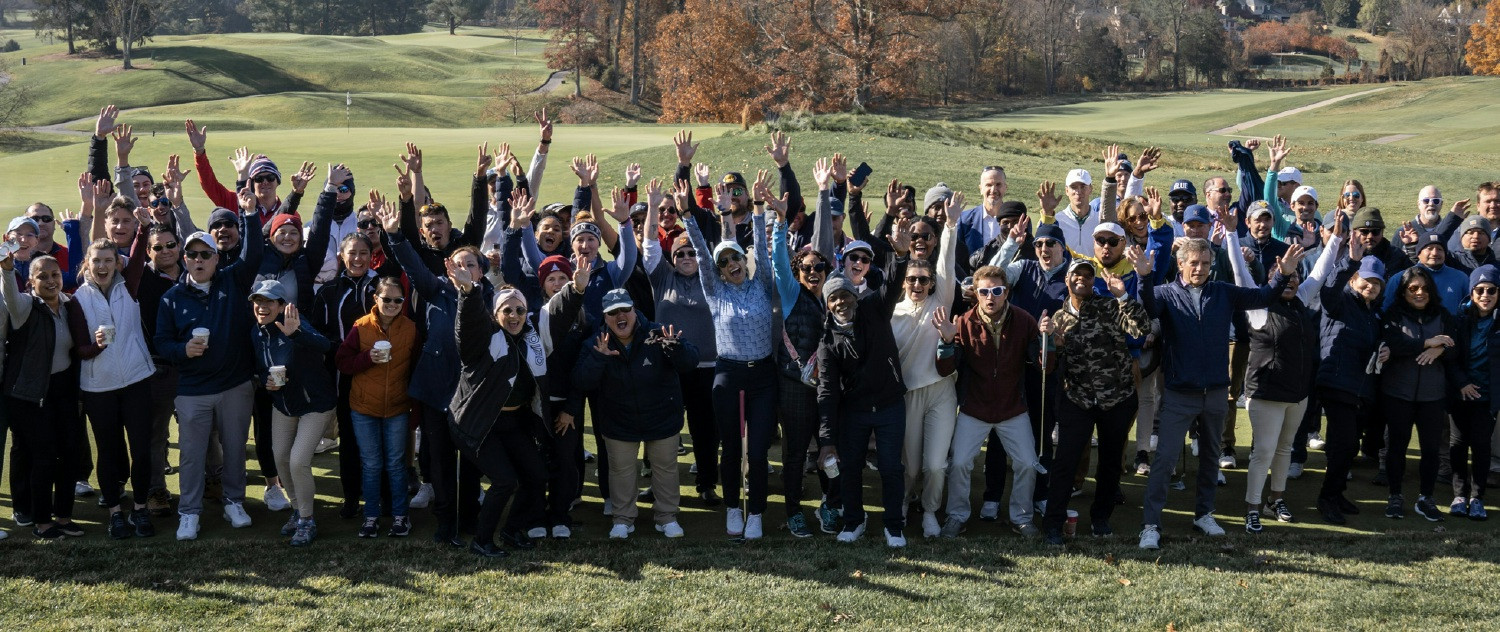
518, 540
370, 528
1426, 509
22, 518
349, 510
710, 498
52, 533
486, 549
1393, 507
1380, 478
1054, 536
1346, 506
118, 530
1329, 509
1252, 522
1101, 529
141, 520
646, 496
70, 529
400, 527
447, 533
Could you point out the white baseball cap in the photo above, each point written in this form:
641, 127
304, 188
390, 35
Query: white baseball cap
1304, 190
1109, 227
1079, 175
1289, 174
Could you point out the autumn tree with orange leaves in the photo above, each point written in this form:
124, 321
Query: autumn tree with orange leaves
704, 61
1483, 54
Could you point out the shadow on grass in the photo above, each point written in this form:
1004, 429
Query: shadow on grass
253, 72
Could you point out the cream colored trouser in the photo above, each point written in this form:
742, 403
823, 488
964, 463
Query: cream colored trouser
931, 412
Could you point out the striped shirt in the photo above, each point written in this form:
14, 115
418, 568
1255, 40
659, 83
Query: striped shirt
742, 313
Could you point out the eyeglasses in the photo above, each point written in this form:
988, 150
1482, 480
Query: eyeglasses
224, 224
733, 257
1431, 200
857, 258
617, 312
986, 292
42, 219
922, 236
737, 191
1109, 241
512, 311
368, 223
1044, 243
1416, 289
171, 245
343, 188
1219, 190
1486, 291
920, 281
263, 178
1353, 195
685, 253
198, 255
814, 267
392, 300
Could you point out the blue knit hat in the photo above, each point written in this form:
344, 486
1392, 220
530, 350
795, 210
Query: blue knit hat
1486, 273
1051, 231
264, 165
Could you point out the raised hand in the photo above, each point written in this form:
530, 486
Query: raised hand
762, 186
822, 173
1111, 160
241, 159
290, 320
86, 192
1153, 203
777, 205
481, 165
722, 198
1147, 162
1139, 260
503, 157
197, 136
1115, 283
1293, 257
403, 184
901, 236
619, 207
1046, 194
654, 194
953, 208
303, 176
105, 124
587, 170
1461, 208
1407, 234
337, 174
124, 142
544, 123
1279, 151
388, 214
670, 333
701, 172
247, 200
682, 196
686, 149
460, 276
142, 215
1230, 219
412, 158
780, 148
947, 328
895, 195
583, 268
632, 174
601, 345
1020, 229
840, 168
521, 206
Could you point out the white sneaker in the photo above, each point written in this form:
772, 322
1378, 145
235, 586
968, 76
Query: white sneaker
561, 532
850, 536
275, 498
989, 511
1208, 526
609, 508
1227, 462
671, 529
4, 535
1315, 441
422, 498
536, 533
1294, 471
753, 528
325, 445
620, 531
1151, 537
894, 540
1194, 447
734, 522
235, 514
930, 526
187, 527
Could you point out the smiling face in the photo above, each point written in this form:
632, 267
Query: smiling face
1368, 289
25, 236
684, 258
1195, 266
1485, 296
46, 221
585, 245
1351, 198
1218, 193
103, 261
1081, 282
226, 234
1133, 217
1432, 256
1260, 225
1180, 201
265, 310
1306, 208
389, 299
549, 234
811, 271
992, 188
666, 217
842, 304
1489, 205
511, 315
122, 226
287, 239
924, 240
142, 186
621, 323
166, 251
1429, 204
857, 265
1417, 291
918, 283
265, 186
554, 282
370, 226
731, 267
1369, 237
355, 255
46, 280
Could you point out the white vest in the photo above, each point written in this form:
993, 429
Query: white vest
128, 360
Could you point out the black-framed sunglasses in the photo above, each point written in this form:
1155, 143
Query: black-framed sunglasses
1181, 199
171, 245
667, 210
1486, 291
924, 236
1219, 190
1109, 241
814, 267
198, 255
685, 253
42, 219
986, 292
733, 257
225, 224
263, 178
857, 258
367, 224
920, 281
617, 312
392, 300
1044, 243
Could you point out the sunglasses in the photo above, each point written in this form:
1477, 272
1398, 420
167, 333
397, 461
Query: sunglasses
856, 258
667, 210
171, 245
1486, 291
512, 311
198, 255
733, 257
1219, 190
920, 281
1110, 242
42, 219
368, 223
160, 202
343, 188
263, 178
986, 292
1181, 199
814, 267
1367, 232
1135, 218
922, 236
1044, 243
1355, 195
737, 191
685, 253
392, 300
1416, 289
617, 312
218, 225
1432, 200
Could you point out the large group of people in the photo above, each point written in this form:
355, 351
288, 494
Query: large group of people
433, 355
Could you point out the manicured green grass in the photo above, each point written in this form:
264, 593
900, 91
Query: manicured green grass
1457, 114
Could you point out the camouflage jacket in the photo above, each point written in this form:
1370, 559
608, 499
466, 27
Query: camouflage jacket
1096, 363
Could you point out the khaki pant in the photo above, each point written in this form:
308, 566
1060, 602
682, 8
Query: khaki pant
1274, 425
293, 440
622, 472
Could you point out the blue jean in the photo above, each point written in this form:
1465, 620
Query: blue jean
382, 446
888, 424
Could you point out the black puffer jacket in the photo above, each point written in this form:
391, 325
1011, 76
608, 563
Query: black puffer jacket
858, 368
1406, 331
1283, 353
640, 389
485, 381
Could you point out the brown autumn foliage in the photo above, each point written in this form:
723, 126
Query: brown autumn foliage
1483, 54
704, 62
1274, 37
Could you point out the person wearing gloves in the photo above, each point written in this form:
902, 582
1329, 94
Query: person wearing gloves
203, 328
378, 355
1088, 341
289, 362
1195, 313
633, 370
861, 394
1474, 407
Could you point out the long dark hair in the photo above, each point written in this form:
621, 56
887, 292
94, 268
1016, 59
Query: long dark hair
1401, 306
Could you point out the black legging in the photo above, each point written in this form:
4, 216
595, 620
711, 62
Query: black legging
1428, 418
799, 424
757, 385
454, 479
350, 469
1075, 425
50, 432
561, 453
260, 421
119, 416
697, 399
510, 459
1473, 428
1344, 412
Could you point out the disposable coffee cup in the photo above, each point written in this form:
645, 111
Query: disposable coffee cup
278, 375
109, 334
831, 466
1070, 527
381, 353
201, 335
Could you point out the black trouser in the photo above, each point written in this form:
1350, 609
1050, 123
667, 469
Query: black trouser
510, 459
350, 468
561, 454
1473, 429
455, 480
1075, 425
996, 463
799, 424
163, 389
20, 464
697, 399
754, 384
601, 454
260, 421
1428, 417
1312, 419
119, 416
888, 426
1345, 412
50, 432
